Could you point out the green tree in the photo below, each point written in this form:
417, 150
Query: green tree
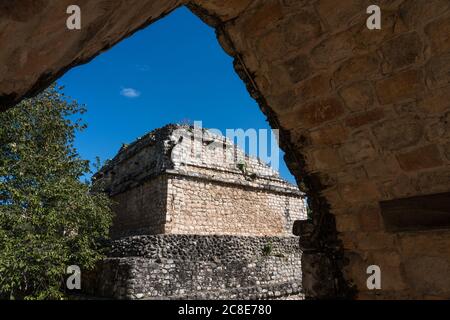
49, 218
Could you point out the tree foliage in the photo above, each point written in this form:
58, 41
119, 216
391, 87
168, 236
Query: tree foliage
49, 218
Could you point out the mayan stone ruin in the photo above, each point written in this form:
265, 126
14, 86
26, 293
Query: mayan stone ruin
363, 117
198, 218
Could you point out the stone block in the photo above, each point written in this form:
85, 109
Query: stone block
319, 111
283, 102
303, 27
338, 18
256, 23
438, 32
329, 135
418, 13
271, 46
282, 80
438, 70
396, 134
313, 87
420, 158
375, 240
364, 118
351, 174
357, 151
402, 51
361, 191
404, 85
436, 100
434, 181
401, 186
325, 159
370, 219
298, 68
333, 49
384, 167
358, 96
357, 69
436, 130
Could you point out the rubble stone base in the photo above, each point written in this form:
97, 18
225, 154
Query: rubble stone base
198, 267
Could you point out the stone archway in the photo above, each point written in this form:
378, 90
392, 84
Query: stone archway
363, 114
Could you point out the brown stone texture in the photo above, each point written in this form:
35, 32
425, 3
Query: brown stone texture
333, 134
420, 158
357, 68
400, 86
439, 33
410, 53
394, 134
363, 118
358, 96
378, 99
320, 111
426, 258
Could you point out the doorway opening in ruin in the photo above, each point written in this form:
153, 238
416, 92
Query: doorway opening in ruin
183, 76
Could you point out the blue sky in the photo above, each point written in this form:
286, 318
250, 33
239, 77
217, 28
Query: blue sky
172, 71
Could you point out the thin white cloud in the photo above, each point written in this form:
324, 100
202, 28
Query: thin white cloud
143, 67
130, 93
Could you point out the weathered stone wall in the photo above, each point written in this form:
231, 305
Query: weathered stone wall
144, 159
198, 267
141, 210
181, 180
197, 206
364, 114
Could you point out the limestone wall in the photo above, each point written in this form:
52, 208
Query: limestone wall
197, 206
194, 267
141, 210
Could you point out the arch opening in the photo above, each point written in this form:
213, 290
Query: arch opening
362, 119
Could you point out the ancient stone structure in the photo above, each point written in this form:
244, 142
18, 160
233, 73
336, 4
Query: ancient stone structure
364, 116
181, 180
178, 266
195, 217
